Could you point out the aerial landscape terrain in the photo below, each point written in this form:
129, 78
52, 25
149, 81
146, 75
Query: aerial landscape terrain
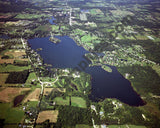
79, 64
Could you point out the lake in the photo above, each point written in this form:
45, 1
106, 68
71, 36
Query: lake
67, 54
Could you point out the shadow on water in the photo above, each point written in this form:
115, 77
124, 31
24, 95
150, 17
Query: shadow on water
67, 54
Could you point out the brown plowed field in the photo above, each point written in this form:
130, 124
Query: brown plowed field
45, 115
8, 94
33, 96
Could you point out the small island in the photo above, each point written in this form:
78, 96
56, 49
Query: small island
106, 68
53, 39
39, 49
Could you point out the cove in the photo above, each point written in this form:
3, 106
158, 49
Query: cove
67, 54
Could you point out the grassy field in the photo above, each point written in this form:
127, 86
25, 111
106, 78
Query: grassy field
3, 77
32, 104
125, 126
88, 38
31, 77
75, 101
79, 32
12, 68
78, 102
11, 115
55, 28
95, 11
83, 126
42, 28
29, 16
156, 68
61, 101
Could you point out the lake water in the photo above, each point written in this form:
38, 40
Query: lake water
67, 54
51, 20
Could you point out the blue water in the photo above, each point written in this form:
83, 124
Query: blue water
4, 37
51, 20
67, 54
83, 10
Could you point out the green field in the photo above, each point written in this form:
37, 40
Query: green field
61, 101
78, 102
79, 32
31, 77
125, 126
12, 68
29, 16
156, 68
88, 38
83, 126
31, 104
11, 115
55, 28
75, 101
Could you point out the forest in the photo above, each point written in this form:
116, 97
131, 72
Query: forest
17, 77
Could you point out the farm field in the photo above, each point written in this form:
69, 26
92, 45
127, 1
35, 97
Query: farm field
83, 126
45, 115
3, 77
32, 76
12, 68
13, 54
125, 126
47, 91
8, 94
33, 96
10, 114
75, 101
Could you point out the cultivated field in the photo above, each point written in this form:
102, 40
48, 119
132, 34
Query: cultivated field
8, 94
45, 115
33, 96
7, 61
47, 91
16, 53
